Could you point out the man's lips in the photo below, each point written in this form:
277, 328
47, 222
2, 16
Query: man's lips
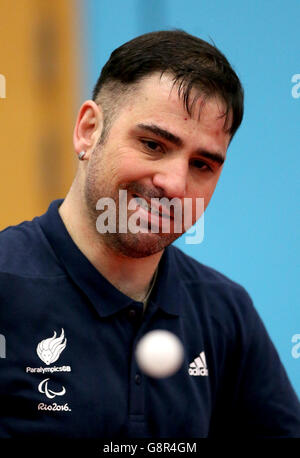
159, 209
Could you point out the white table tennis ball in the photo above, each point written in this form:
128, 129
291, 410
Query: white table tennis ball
159, 353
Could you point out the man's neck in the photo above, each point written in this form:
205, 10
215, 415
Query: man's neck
131, 276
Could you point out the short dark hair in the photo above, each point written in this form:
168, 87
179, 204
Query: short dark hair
192, 62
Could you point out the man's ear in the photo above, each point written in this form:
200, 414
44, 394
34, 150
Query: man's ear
88, 128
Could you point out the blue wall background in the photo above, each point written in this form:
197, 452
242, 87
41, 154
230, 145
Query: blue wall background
251, 224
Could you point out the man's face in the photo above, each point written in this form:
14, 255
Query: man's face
155, 149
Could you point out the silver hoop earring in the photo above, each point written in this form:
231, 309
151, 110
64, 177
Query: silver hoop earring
81, 155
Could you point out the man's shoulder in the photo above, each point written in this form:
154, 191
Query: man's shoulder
217, 298
25, 251
222, 295
193, 271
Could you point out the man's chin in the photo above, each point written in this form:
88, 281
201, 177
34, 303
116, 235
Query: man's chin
138, 245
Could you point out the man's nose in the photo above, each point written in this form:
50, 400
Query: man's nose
172, 178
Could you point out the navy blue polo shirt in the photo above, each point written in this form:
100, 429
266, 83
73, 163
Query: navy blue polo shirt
70, 336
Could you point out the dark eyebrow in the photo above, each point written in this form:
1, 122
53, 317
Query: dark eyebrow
214, 157
162, 133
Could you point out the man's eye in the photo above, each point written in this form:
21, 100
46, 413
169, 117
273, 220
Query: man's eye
201, 165
151, 145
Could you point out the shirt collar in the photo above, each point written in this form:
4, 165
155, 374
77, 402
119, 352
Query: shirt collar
106, 298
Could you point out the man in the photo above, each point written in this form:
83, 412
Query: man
77, 298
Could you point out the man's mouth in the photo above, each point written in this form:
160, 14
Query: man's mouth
153, 207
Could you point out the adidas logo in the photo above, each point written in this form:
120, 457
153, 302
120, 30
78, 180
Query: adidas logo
198, 366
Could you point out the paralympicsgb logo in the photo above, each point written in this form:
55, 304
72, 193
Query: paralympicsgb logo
49, 350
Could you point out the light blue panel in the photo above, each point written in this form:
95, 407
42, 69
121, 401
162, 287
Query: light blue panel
252, 223
108, 24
